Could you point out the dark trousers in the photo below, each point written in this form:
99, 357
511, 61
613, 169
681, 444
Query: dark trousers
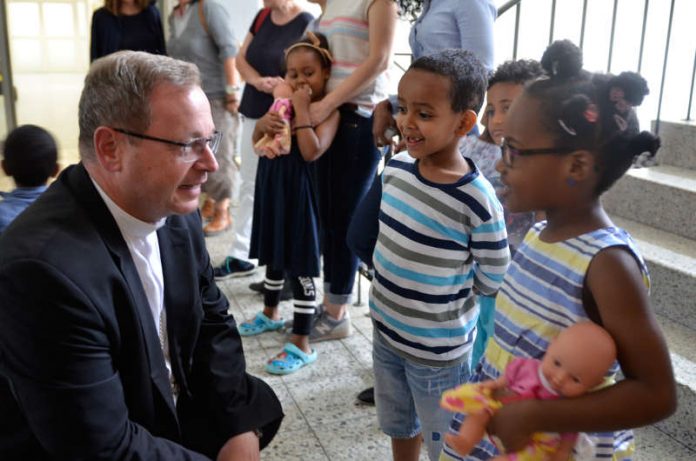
345, 173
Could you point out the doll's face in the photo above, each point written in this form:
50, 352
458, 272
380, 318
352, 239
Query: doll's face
572, 369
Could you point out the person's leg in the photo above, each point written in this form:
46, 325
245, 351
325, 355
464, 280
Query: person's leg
304, 307
427, 385
269, 319
345, 174
219, 184
244, 213
238, 264
396, 411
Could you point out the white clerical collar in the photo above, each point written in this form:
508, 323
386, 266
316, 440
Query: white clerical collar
128, 224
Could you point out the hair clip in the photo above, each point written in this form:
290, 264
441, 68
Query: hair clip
591, 114
570, 131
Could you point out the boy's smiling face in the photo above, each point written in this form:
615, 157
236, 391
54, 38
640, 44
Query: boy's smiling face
498, 101
425, 117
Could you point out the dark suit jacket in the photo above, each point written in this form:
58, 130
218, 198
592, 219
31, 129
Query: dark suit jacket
82, 374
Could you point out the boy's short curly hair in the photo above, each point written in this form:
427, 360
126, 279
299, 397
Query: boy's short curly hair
520, 72
30, 155
468, 76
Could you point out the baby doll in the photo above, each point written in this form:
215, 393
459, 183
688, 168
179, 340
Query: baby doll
575, 362
279, 144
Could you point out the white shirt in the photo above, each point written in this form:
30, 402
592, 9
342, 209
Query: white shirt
143, 245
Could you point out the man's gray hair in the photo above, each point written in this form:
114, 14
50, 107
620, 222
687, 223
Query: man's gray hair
117, 92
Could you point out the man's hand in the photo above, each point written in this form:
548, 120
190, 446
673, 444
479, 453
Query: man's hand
242, 447
383, 120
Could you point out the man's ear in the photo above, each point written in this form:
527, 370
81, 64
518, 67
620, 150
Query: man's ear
107, 148
466, 123
56, 170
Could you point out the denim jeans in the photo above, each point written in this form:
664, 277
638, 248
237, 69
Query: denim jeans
345, 173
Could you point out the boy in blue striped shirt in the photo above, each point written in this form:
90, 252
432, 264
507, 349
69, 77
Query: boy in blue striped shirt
441, 241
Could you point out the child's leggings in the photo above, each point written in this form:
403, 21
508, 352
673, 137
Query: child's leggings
304, 298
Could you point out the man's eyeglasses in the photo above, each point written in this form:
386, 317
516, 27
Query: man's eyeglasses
190, 151
509, 152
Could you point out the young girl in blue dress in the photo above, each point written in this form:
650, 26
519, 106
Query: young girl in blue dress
285, 235
568, 138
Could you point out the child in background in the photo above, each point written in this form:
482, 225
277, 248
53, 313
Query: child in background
285, 237
575, 363
30, 157
565, 145
441, 238
506, 83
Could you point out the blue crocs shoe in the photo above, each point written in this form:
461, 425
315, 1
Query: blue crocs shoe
259, 325
290, 360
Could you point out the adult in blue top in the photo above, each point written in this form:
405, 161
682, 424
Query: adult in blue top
126, 25
441, 24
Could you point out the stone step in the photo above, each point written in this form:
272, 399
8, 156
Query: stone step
663, 197
678, 144
671, 260
672, 263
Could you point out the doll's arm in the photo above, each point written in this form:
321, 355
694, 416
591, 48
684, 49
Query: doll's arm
470, 433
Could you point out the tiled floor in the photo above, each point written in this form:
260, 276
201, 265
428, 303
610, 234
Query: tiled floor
322, 419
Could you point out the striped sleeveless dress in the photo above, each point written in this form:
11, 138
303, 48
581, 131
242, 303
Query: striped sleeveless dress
540, 296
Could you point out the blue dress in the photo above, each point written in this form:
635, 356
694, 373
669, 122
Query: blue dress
285, 229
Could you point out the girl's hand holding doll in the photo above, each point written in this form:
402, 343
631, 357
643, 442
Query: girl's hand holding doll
271, 124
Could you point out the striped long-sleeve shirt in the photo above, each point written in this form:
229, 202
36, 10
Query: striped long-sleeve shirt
437, 244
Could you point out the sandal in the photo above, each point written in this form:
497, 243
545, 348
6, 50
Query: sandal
259, 325
290, 360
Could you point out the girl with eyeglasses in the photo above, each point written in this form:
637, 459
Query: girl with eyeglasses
568, 138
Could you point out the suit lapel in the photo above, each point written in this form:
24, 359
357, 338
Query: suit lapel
178, 293
103, 220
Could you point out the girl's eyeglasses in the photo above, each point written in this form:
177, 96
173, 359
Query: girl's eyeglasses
509, 152
190, 151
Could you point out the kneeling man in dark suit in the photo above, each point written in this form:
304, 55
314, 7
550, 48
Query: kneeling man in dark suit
115, 342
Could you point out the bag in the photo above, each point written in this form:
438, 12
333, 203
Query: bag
260, 19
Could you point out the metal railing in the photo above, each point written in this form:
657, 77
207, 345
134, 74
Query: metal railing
517, 5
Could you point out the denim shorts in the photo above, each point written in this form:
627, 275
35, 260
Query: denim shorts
408, 394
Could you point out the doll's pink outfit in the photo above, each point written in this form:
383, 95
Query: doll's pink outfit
279, 144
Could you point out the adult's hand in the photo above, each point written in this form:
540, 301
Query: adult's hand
232, 103
319, 111
266, 84
382, 121
241, 447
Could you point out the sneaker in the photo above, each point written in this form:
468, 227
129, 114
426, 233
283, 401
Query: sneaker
326, 328
285, 294
367, 396
233, 267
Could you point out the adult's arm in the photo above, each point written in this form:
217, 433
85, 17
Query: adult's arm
157, 27
57, 349
475, 24
645, 395
219, 22
382, 23
232, 401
